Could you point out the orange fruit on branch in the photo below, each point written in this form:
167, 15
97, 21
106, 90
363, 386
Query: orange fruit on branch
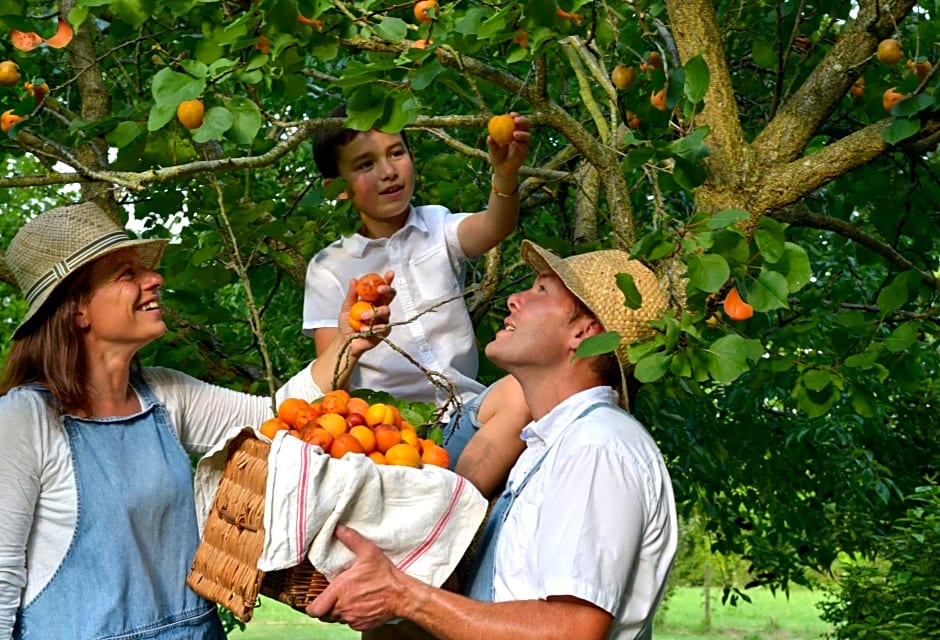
890, 98
190, 113
423, 10
622, 76
658, 100
63, 35
8, 119
736, 307
889, 51
9, 73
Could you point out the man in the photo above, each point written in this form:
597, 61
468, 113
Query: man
582, 541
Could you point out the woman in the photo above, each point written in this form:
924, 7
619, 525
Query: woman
98, 524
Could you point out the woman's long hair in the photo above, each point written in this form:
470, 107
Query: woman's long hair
50, 352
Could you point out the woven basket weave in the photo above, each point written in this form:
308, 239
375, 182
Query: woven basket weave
225, 568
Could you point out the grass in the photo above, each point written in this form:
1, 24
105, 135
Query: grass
767, 617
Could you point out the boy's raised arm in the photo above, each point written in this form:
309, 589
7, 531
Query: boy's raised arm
481, 232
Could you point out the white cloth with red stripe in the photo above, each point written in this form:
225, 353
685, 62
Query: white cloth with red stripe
423, 519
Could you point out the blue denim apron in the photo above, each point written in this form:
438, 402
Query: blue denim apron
124, 574
461, 428
483, 572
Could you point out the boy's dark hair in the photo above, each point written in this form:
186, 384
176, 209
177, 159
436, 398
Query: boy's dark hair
327, 141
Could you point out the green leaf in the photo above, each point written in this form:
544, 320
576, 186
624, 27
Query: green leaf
691, 147
675, 90
913, 105
726, 218
652, 367
771, 239
123, 134
425, 75
768, 292
633, 299
817, 379
900, 129
392, 29
707, 272
597, 345
216, 122
688, 175
902, 337
133, 12
727, 358
401, 109
170, 88
895, 295
246, 120
696, 78
195, 68
160, 115
794, 265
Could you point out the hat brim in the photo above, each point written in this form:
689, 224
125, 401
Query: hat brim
151, 253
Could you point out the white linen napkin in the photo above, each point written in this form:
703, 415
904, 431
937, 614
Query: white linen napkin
423, 519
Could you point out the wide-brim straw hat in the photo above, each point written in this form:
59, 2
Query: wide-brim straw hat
592, 278
56, 243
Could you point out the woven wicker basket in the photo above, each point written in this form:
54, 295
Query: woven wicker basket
225, 567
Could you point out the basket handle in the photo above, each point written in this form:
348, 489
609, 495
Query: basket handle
237, 519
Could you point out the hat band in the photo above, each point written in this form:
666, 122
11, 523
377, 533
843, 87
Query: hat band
64, 267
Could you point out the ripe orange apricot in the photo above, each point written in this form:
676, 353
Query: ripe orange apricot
25, 40
409, 437
435, 454
889, 51
422, 8
343, 444
403, 455
271, 426
335, 403
736, 307
355, 315
357, 405
9, 73
304, 417
8, 119
380, 413
288, 408
386, 436
858, 88
890, 98
63, 35
377, 457
334, 423
658, 100
622, 76
365, 437
190, 113
368, 286
501, 128
318, 436
521, 38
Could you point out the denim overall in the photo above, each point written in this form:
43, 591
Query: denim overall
124, 574
481, 585
461, 427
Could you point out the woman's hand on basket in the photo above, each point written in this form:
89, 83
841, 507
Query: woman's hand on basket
369, 593
375, 323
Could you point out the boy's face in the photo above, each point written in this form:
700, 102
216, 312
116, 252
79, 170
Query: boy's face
379, 172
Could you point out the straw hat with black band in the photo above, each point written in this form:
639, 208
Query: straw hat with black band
592, 278
54, 244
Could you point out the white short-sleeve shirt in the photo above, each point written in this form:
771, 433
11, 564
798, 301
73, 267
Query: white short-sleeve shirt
429, 267
596, 521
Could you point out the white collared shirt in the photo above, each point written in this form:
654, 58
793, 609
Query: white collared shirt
596, 521
429, 267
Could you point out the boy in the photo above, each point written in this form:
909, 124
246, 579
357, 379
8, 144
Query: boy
425, 249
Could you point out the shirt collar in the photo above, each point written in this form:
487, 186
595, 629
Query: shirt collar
551, 426
357, 244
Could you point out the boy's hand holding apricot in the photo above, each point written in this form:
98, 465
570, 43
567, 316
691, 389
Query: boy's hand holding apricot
508, 143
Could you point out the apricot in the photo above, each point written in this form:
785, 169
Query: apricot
501, 128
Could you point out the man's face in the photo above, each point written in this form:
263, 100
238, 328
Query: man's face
541, 329
379, 173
